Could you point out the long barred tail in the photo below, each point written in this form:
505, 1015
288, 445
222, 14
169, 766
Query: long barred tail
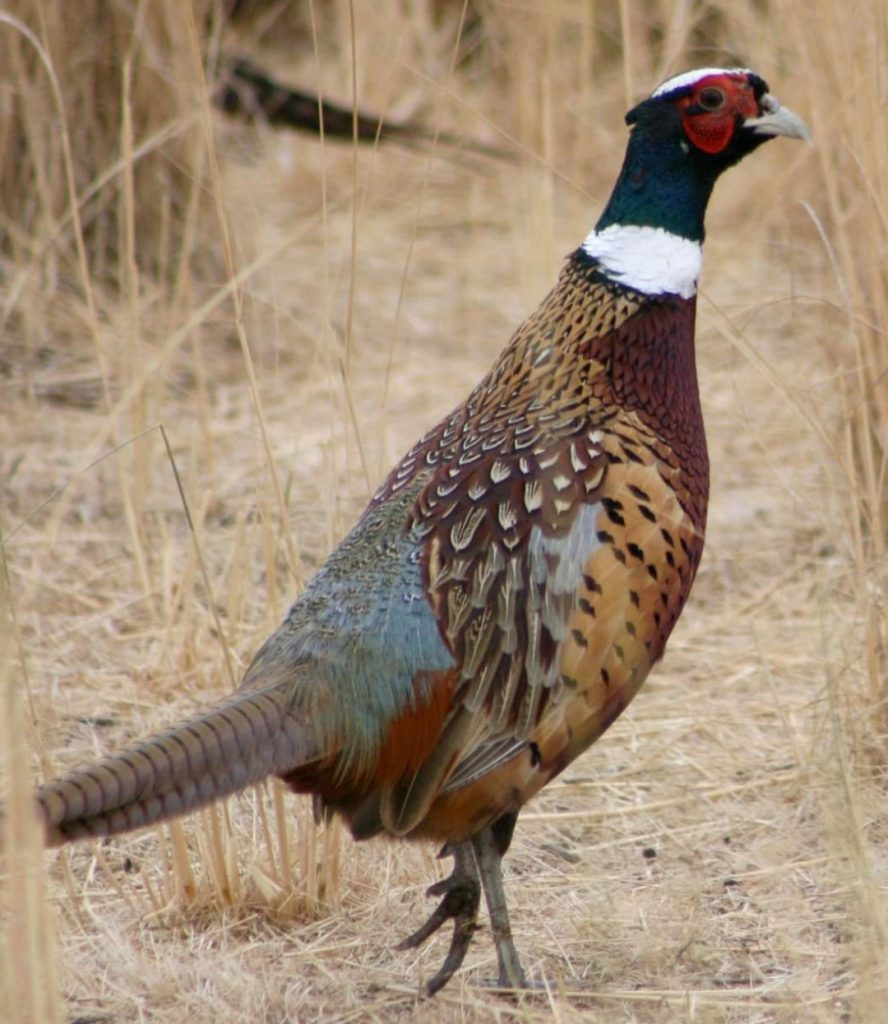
236, 743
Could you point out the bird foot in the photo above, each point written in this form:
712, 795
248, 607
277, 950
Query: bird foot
461, 896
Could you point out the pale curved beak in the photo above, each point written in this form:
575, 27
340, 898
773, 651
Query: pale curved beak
778, 120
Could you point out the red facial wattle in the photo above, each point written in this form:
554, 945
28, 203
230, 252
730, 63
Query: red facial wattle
710, 124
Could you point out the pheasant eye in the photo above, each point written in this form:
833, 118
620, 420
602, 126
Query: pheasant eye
711, 98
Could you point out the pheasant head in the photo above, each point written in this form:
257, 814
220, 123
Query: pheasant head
683, 136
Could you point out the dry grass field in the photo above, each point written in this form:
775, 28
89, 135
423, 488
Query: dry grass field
268, 320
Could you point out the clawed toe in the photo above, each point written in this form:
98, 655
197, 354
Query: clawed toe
460, 903
461, 897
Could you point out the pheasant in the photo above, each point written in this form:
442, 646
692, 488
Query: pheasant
511, 583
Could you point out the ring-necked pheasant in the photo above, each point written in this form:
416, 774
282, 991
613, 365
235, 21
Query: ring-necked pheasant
515, 577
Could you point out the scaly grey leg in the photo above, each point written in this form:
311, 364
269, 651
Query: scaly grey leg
461, 892
489, 845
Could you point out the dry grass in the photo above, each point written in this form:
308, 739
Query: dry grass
293, 313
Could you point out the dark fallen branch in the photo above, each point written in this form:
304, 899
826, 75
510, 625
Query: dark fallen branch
246, 90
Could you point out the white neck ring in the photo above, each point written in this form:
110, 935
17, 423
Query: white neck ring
650, 260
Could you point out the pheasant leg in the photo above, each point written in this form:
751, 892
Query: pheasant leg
489, 848
461, 896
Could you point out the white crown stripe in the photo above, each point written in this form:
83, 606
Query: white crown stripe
688, 78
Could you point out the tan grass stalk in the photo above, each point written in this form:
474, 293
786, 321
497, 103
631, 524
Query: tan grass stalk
28, 972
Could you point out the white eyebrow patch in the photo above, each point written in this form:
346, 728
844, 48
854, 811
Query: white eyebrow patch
688, 78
